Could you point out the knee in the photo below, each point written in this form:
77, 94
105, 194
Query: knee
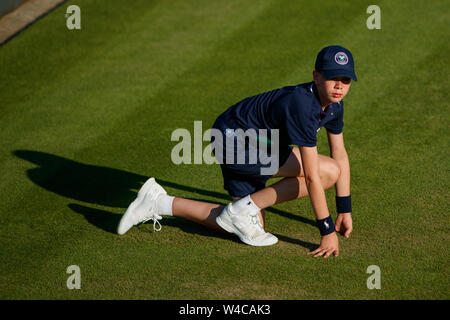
332, 171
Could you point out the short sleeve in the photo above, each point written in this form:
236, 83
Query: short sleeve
296, 121
336, 124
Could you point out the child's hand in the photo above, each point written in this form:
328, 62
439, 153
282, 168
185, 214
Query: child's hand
344, 224
328, 245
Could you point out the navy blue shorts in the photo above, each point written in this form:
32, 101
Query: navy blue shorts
241, 180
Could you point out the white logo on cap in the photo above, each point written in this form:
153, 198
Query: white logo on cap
341, 58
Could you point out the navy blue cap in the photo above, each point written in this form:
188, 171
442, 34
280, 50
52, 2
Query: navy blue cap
335, 61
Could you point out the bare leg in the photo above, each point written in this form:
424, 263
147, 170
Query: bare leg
201, 212
293, 186
204, 213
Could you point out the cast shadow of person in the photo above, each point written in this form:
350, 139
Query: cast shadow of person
114, 188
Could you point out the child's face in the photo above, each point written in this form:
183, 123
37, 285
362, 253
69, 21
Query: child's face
331, 90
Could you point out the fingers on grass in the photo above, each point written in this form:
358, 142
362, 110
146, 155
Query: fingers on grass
347, 233
330, 252
320, 253
324, 252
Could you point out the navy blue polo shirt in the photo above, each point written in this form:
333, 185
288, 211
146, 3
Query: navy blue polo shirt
294, 110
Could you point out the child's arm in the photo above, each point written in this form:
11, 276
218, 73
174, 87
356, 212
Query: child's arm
329, 243
344, 223
338, 153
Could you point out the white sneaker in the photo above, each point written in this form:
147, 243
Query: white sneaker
246, 226
143, 208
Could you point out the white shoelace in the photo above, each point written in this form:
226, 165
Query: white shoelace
155, 219
155, 222
255, 220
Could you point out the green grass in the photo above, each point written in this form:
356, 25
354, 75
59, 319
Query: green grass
86, 117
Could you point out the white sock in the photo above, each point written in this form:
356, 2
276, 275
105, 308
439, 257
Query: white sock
245, 204
164, 204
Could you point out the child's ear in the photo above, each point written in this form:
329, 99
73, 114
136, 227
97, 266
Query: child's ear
315, 76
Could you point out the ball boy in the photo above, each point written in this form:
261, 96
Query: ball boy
293, 115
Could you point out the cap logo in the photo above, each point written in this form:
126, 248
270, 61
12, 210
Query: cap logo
341, 58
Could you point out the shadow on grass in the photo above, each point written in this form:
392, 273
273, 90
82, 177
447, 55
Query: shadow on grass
304, 244
102, 219
112, 188
108, 222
